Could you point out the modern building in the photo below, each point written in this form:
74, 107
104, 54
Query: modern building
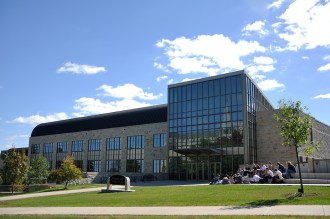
210, 126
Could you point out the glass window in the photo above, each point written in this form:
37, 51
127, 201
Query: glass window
113, 143
205, 89
170, 95
200, 90
93, 166
62, 147
194, 91
135, 166
189, 92
113, 166
135, 142
211, 88
35, 149
159, 166
94, 145
159, 140
77, 145
48, 148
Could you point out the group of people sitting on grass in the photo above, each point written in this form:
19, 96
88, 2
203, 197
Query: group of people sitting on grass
258, 174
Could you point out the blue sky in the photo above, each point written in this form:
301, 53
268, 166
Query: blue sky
64, 59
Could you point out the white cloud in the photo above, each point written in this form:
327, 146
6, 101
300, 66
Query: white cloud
322, 96
127, 91
161, 67
37, 119
209, 54
305, 57
80, 69
270, 84
324, 67
15, 137
305, 24
326, 58
256, 27
275, 4
90, 106
171, 81
262, 60
161, 78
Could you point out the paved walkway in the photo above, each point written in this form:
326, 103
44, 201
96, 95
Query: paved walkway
311, 210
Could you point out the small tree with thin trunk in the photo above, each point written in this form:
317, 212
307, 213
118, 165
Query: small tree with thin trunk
295, 127
67, 172
39, 170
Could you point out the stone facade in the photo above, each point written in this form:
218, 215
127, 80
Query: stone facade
269, 140
147, 130
270, 146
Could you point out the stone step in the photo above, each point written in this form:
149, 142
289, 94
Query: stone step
307, 181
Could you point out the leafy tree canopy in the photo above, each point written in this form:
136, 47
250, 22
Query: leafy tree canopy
294, 124
39, 169
67, 172
15, 168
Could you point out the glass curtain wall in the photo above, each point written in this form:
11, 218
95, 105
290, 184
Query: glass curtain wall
205, 115
255, 102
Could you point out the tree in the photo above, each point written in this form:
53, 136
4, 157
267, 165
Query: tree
67, 172
39, 169
295, 127
15, 168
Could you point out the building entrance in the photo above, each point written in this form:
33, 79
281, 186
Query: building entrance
203, 171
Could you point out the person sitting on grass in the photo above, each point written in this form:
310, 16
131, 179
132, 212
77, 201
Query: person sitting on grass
256, 178
278, 177
225, 180
238, 178
269, 174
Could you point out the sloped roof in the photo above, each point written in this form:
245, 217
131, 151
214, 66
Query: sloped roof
146, 115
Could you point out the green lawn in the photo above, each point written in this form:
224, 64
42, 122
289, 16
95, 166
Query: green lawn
155, 217
225, 195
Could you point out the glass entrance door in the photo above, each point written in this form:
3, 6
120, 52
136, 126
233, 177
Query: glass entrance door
215, 169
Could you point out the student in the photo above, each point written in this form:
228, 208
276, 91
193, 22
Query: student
291, 169
281, 168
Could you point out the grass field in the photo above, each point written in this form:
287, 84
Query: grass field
228, 195
157, 217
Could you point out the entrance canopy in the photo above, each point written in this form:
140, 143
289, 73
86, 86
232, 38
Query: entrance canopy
199, 151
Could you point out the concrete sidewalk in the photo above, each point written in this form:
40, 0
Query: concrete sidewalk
298, 210
43, 194
315, 210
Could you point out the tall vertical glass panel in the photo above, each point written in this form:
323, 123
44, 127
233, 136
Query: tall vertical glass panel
207, 125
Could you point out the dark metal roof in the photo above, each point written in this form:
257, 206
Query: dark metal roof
146, 115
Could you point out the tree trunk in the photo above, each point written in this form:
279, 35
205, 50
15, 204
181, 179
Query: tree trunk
301, 190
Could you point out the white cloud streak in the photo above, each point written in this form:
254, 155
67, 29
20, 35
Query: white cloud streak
127, 91
276, 4
89, 106
256, 27
37, 119
161, 78
270, 84
322, 96
74, 68
324, 67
